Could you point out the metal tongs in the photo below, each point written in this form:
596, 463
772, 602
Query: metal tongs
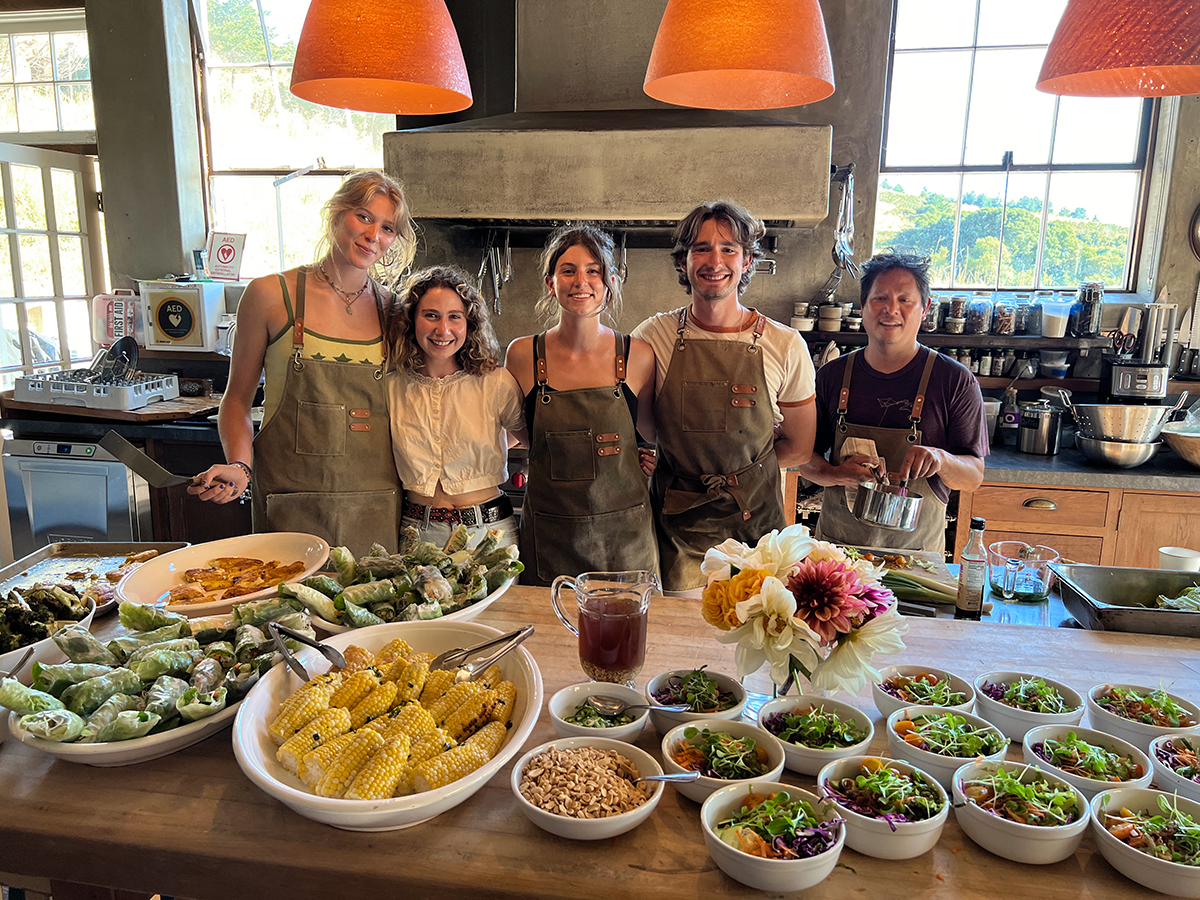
470, 664
294, 664
19, 666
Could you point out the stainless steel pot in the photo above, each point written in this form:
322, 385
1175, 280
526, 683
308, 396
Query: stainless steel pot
1039, 427
887, 506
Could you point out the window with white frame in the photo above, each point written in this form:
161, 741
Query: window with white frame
45, 78
259, 133
1003, 186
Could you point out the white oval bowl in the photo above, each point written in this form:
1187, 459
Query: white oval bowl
466, 614
701, 788
590, 829
887, 704
255, 751
1014, 723
753, 871
811, 760
565, 702
1166, 778
940, 768
1035, 845
664, 721
875, 837
1137, 733
1089, 787
1157, 874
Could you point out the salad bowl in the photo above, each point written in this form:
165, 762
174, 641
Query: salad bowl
875, 835
807, 760
1165, 776
1160, 875
941, 767
564, 703
664, 721
755, 871
888, 703
1139, 734
1087, 786
1013, 721
1032, 844
702, 787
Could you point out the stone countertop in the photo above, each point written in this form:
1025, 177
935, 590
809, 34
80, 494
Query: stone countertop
1167, 471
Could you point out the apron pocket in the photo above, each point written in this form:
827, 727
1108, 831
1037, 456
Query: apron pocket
572, 455
320, 428
607, 542
353, 519
705, 406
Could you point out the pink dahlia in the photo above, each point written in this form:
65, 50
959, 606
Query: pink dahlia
877, 598
829, 598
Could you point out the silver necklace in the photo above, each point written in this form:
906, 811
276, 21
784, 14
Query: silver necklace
346, 297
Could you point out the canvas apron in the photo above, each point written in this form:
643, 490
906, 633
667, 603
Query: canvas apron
837, 522
323, 462
717, 474
587, 503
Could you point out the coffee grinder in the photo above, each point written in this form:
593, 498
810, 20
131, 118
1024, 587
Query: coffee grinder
1142, 377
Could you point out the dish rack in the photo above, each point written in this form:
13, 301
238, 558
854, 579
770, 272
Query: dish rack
79, 387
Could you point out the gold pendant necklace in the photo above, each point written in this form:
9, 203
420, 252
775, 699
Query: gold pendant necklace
346, 297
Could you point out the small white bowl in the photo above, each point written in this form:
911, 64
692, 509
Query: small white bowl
824, 324
1035, 845
876, 837
566, 701
887, 704
804, 323
756, 872
664, 721
1137, 733
1089, 787
1013, 722
590, 829
811, 760
939, 767
1166, 778
1157, 874
698, 790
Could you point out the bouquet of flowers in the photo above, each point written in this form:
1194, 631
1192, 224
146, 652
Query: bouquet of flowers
805, 606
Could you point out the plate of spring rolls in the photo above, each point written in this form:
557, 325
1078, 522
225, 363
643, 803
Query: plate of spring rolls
164, 683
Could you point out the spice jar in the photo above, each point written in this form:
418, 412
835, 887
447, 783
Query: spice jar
979, 316
953, 325
933, 317
1004, 317
958, 306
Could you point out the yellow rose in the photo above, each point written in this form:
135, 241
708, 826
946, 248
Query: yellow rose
720, 599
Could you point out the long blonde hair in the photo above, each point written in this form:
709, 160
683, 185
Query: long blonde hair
359, 189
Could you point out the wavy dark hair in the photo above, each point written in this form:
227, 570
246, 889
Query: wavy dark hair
746, 230
480, 352
600, 245
914, 265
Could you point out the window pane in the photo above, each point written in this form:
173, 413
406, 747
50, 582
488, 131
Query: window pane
247, 205
6, 65
1007, 112
8, 108
35, 265
285, 18
915, 213
79, 329
33, 57
1019, 21
1097, 129
235, 33
919, 131
934, 23
42, 320
70, 258
979, 231
75, 106
1087, 237
66, 199
30, 198
35, 107
71, 59
10, 347
6, 270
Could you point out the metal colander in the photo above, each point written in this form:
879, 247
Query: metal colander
1121, 422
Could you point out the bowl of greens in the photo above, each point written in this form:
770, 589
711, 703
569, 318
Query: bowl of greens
901, 686
815, 730
937, 741
708, 695
1089, 760
1019, 812
892, 809
772, 836
1140, 714
1150, 837
1176, 760
572, 717
722, 751
1015, 702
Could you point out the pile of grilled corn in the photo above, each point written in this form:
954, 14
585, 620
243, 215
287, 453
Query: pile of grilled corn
385, 726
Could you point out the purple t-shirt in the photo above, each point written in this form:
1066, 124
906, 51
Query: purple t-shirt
952, 418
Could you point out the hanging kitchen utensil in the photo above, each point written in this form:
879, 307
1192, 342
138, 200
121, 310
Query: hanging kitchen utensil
508, 266
623, 267
497, 278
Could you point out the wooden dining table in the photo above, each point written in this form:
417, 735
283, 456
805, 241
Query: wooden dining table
192, 825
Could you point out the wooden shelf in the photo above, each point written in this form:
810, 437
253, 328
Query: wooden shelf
991, 341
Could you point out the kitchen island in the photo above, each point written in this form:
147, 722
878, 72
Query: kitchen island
191, 825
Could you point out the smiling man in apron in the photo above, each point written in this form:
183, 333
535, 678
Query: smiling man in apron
899, 407
734, 398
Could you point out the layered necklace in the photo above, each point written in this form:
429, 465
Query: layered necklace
346, 297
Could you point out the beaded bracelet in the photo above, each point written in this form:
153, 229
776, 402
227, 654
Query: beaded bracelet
241, 465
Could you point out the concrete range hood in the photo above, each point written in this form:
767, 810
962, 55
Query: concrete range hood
634, 168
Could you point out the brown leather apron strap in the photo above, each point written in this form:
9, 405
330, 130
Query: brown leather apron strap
844, 393
298, 324
919, 401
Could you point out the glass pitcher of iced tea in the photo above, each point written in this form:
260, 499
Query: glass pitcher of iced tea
613, 609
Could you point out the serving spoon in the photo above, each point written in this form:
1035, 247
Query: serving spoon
678, 777
614, 706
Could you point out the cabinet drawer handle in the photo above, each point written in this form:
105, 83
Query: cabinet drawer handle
1040, 503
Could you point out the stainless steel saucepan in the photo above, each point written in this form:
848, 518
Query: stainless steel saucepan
887, 506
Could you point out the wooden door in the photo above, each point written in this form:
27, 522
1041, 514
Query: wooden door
1149, 521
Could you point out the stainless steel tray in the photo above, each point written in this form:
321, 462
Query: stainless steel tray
1111, 598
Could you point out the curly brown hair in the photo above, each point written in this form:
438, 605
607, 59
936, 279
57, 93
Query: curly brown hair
746, 230
480, 352
600, 245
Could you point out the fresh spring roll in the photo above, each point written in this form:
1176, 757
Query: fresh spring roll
161, 696
164, 662
85, 698
239, 680
129, 724
250, 642
502, 572
323, 583
207, 675
186, 643
207, 629
259, 612
300, 622
347, 568
60, 725
106, 713
81, 647
222, 652
366, 594
123, 646
26, 700
57, 678
194, 705
359, 617
314, 600
386, 612
143, 617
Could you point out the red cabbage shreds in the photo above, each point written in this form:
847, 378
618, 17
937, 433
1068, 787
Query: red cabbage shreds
780, 826
879, 792
1029, 694
1179, 755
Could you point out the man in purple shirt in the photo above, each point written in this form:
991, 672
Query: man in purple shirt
897, 408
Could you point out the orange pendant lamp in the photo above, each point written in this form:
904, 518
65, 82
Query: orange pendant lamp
740, 54
383, 56
1124, 48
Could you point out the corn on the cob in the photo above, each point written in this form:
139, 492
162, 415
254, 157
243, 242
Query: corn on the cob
304, 705
423, 749
436, 684
488, 738
382, 772
316, 762
426, 658
357, 659
453, 699
411, 680
355, 689
506, 701
343, 770
392, 651
444, 768
412, 719
374, 704
311, 735
471, 716
491, 677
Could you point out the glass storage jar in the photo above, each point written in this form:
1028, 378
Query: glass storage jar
979, 316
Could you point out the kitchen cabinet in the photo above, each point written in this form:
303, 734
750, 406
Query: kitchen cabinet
1151, 520
178, 515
